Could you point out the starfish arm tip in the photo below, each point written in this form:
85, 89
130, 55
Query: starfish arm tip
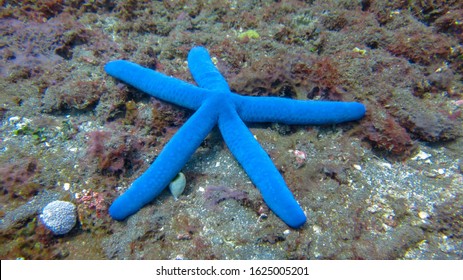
360, 109
297, 221
204, 72
121, 209
114, 67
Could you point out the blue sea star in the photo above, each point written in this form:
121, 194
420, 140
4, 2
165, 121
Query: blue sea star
215, 104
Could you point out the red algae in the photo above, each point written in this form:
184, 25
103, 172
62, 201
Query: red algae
16, 180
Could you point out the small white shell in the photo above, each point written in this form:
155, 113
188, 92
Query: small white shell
177, 185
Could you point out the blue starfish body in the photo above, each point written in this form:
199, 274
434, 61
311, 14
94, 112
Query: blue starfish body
215, 104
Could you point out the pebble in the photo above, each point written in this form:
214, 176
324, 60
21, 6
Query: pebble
423, 215
317, 229
421, 156
385, 165
59, 216
358, 167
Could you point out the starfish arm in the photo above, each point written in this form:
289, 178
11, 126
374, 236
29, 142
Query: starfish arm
156, 84
166, 166
290, 111
204, 71
260, 169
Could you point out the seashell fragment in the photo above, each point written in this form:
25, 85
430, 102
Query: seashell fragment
177, 186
